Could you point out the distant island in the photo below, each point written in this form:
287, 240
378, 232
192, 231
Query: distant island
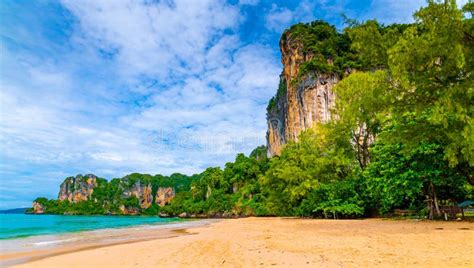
366, 121
14, 211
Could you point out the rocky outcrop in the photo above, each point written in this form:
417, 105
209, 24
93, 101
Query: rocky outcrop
302, 99
38, 208
128, 210
164, 195
141, 191
79, 188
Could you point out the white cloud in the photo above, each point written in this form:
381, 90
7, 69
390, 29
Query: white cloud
155, 39
390, 11
249, 2
278, 18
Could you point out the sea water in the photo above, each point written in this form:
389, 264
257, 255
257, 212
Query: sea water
26, 225
40, 235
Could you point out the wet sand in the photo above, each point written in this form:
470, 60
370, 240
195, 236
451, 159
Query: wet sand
252, 242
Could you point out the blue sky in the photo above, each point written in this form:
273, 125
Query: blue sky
114, 87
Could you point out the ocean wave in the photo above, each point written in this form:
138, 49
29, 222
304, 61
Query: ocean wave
52, 242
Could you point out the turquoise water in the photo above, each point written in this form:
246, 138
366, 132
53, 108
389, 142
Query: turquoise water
25, 225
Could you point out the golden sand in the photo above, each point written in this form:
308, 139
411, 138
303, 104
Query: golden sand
257, 242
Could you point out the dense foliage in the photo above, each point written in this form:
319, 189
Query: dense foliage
406, 180
233, 191
402, 135
331, 51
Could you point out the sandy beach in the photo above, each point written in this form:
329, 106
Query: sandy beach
252, 242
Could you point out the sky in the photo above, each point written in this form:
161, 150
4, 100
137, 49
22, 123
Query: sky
112, 87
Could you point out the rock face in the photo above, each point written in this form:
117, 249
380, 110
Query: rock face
38, 208
164, 195
128, 210
140, 191
305, 99
79, 188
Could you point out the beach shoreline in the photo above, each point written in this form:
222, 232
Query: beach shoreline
250, 242
33, 248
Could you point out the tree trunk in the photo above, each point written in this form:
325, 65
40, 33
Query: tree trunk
470, 179
435, 200
430, 209
429, 205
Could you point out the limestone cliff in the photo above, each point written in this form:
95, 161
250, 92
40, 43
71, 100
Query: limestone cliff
302, 100
79, 188
139, 190
164, 195
134, 194
38, 208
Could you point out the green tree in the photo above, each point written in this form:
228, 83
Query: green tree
241, 171
359, 109
431, 69
371, 42
330, 50
336, 199
316, 158
212, 178
406, 180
